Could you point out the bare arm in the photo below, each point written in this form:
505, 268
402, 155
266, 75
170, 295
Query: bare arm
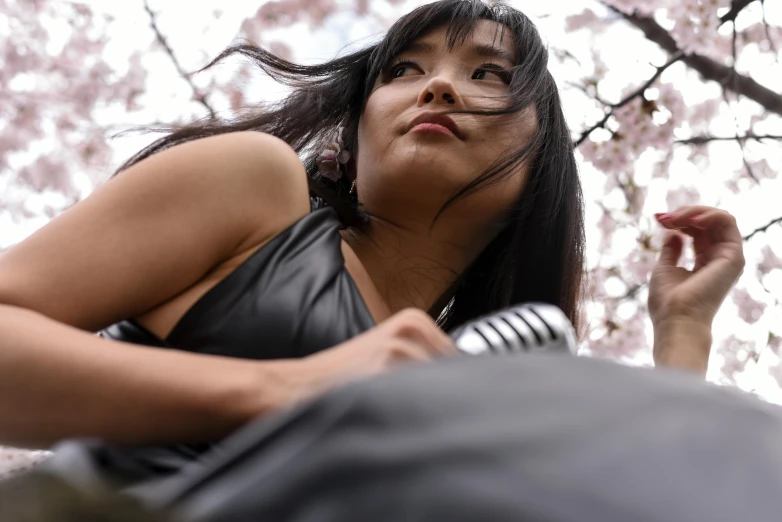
142, 238
57, 381
683, 344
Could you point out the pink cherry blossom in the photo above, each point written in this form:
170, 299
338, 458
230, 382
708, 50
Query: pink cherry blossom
750, 310
696, 24
702, 113
281, 49
276, 13
671, 98
623, 338
681, 197
771, 261
734, 353
607, 226
634, 6
775, 346
587, 19
662, 168
640, 264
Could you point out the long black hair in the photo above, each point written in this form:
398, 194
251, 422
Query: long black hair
539, 253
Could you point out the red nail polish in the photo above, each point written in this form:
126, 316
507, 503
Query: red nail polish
662, 216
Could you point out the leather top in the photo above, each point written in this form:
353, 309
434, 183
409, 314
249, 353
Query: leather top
291, 298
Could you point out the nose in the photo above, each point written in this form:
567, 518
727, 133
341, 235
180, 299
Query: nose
439, 90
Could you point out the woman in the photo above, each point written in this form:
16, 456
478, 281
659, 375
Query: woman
451, 192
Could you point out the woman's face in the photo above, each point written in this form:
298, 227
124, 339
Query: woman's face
404, 165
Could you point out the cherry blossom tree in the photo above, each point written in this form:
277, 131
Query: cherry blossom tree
671, 102
651, 120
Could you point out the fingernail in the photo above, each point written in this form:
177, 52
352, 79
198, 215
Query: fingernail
662, 216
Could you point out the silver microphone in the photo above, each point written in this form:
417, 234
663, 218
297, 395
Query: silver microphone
528, 327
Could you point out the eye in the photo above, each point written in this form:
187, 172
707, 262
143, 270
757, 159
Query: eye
400, 69
491, 71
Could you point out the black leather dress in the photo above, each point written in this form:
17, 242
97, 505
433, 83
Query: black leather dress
291, 298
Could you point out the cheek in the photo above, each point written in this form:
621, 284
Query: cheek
505, 193
504, 135
512, 129
376, 127
367, 126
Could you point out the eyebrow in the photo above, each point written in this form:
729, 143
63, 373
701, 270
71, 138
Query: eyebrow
482, 50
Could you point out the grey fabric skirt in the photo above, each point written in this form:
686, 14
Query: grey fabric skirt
516, 438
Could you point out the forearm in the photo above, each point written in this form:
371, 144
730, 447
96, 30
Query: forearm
682, 344
57, 381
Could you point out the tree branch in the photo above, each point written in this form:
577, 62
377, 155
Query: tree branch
659, 35
747, 166
735, 8
768, 31
631, 293
585, 90
197, 94
702, 140
630, 97
708, 68
763, 228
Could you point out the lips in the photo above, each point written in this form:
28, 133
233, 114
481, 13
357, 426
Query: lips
437, 119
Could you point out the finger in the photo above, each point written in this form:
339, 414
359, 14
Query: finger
442, 344
692, 216
673, 244
436, 339
719, 248
715, 235
405, 351
720, 224
686, 211
673, 219
439, 344
417, 326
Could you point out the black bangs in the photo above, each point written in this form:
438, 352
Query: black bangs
460, 17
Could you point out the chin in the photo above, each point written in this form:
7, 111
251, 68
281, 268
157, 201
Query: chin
410, 181
438, 159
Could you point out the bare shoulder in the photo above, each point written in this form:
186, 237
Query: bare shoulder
156, 229
260, 160
249, 170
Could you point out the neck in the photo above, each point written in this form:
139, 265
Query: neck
413, 267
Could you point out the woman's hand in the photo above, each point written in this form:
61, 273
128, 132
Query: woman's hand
683, 303
409, 336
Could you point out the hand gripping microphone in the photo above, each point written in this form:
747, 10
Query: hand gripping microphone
528, 327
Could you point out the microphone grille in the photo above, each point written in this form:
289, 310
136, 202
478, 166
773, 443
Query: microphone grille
528, 327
